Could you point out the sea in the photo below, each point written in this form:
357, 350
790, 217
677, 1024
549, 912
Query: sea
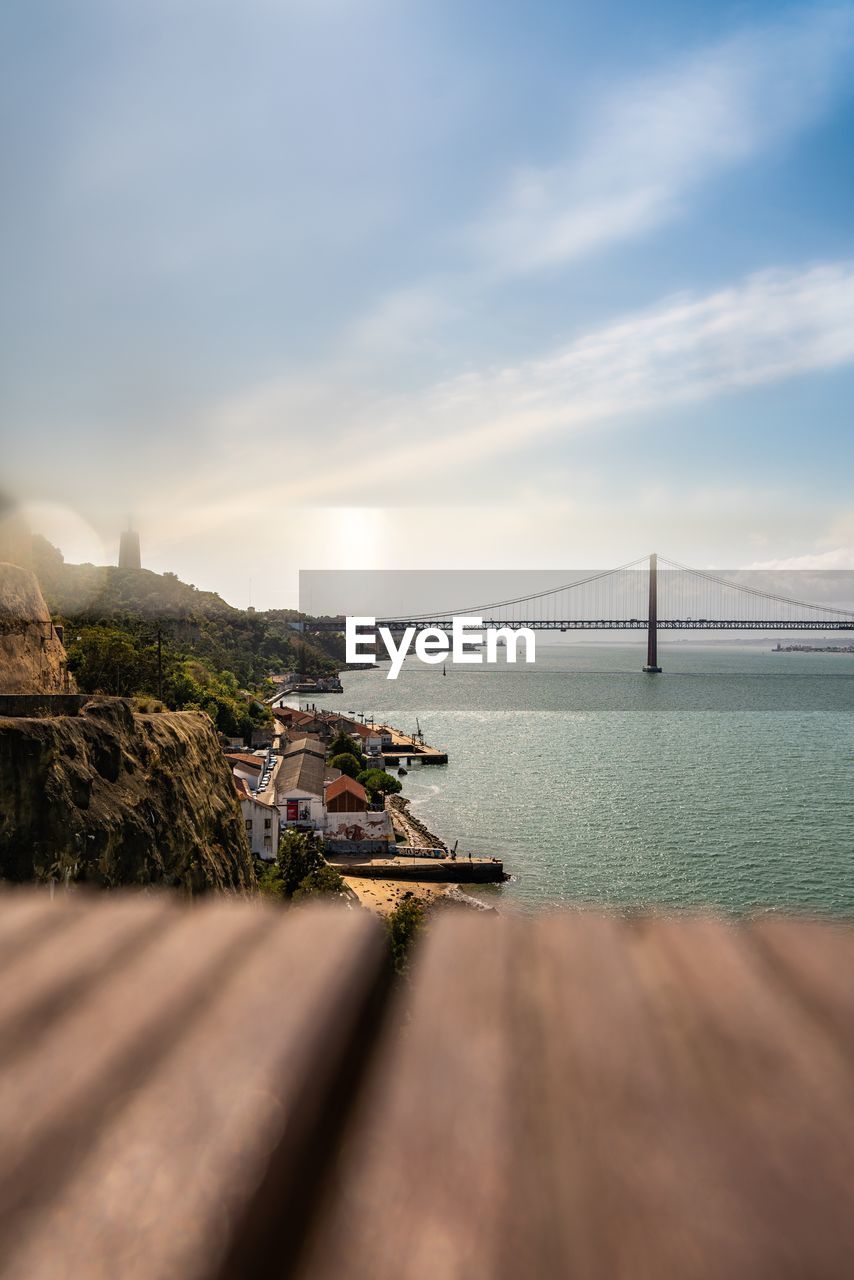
725, 782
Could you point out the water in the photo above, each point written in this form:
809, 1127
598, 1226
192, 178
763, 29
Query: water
725, 782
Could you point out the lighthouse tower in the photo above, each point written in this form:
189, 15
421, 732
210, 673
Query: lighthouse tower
129, 549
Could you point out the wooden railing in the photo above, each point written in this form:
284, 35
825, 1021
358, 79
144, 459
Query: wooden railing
233, 1091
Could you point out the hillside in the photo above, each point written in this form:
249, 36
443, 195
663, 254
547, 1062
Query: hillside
32, 658
194, 625
76, 590
110, 798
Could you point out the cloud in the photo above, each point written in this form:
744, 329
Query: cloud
400, 324
839, 541
489, 435
770, 327
650, 145
841, 558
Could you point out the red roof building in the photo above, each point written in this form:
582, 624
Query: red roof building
243, 758
346, 795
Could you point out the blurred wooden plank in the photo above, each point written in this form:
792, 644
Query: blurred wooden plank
762, 1094
173, 1120
77, 946
816, 961
581, 1095
28, 919
425, 1176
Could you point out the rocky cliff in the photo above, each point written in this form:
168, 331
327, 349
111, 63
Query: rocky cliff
32, 658
113, 798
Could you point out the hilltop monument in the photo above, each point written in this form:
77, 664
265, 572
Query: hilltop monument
129, 557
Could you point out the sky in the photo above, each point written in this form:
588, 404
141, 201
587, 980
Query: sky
360, 284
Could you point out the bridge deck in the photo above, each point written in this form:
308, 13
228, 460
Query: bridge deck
615, 624
234, 1091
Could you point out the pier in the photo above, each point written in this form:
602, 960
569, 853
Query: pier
421, 866
406, 748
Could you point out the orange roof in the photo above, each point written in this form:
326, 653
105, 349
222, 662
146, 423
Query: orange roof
240, 757
342, 784
302, 717
353, 726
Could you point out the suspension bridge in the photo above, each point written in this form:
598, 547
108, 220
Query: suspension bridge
652, 594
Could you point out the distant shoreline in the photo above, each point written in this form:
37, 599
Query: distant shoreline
813, 648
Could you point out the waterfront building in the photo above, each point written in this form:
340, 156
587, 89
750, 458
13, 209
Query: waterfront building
346, 795
350, 819
304, 722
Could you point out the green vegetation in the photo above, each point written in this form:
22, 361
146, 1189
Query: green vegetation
403, 925
347, 763
300, 870
378, 783
343, 744
324, 880
214, 657
104, 658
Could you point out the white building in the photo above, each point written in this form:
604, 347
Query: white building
262, 826
299, 789
250, 768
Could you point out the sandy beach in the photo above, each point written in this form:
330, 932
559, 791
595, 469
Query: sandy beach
382, 896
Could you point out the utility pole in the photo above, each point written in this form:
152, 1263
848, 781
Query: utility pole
652, 666
159, 665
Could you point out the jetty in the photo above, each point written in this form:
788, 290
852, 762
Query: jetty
234, 1091
393, 745
423, 856
407, 748
424, 865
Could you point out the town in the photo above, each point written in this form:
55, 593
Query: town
299, 774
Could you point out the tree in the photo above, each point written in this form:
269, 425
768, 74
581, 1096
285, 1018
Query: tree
345, 745
347, 763
325, 880
403, 926
106, 660
379, 783
300, 869
181, 689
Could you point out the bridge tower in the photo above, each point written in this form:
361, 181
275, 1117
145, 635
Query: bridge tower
652, 666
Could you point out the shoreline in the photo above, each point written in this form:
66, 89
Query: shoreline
408, 826
382, 896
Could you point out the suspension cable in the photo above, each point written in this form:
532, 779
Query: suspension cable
504, 604
753, 591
